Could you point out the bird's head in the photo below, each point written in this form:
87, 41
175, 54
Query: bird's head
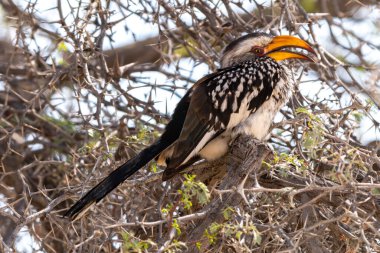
255, 45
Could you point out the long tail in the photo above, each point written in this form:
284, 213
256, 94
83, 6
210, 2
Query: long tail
115, 178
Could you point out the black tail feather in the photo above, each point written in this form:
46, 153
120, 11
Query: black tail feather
115, 178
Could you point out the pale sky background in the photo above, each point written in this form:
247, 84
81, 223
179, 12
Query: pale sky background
143, 30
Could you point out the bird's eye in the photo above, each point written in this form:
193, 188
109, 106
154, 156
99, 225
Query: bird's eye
257, 50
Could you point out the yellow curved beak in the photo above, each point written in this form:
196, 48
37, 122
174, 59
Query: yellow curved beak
277, 49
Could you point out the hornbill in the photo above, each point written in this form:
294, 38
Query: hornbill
240, 98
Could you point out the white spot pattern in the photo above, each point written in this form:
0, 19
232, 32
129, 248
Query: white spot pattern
240, 103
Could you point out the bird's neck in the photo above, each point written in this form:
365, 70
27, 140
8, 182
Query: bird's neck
234, 61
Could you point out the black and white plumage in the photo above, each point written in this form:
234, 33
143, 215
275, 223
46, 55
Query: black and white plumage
242, 97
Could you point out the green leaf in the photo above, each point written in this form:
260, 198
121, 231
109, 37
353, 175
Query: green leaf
176, 226
198, 245
375, 191
303, 110
238, 235
62, 47
257, 238
227, 212
182, 51
153, 167
310, 5
358, 116
192, 188
133, 244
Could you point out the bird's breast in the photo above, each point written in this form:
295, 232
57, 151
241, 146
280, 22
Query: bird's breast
258, 122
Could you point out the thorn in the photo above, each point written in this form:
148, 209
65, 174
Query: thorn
240, 190
257, 184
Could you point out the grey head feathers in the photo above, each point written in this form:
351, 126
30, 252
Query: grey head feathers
239, 50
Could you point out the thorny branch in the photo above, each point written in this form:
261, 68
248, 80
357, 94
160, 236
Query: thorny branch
83, 87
